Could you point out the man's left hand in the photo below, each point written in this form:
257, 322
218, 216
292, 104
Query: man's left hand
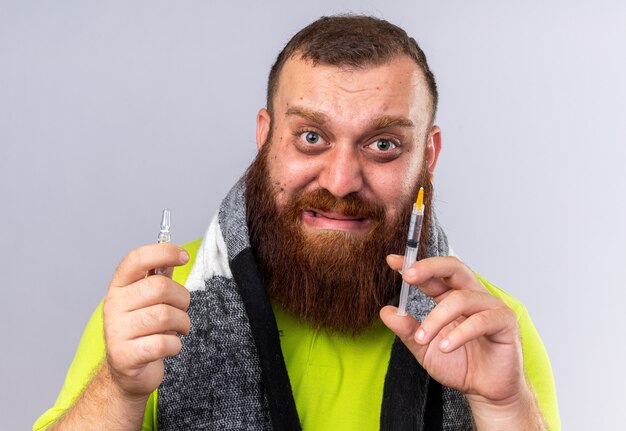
469, 341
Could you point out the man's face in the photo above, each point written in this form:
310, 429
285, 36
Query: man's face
349, 131
330, 193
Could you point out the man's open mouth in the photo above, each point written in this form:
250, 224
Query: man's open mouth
330, 220
333, 215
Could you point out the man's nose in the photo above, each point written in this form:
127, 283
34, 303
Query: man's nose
342, 172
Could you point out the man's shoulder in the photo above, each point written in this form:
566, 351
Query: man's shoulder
536, 362
512, 302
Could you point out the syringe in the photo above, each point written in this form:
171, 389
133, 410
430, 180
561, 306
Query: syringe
164, 236
412, 246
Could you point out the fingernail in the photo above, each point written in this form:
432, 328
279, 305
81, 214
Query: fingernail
411, 272
444, 344
421, 335
184, 256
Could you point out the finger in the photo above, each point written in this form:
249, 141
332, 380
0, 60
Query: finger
395, 261
433, 288
448, 268
141, 260
152, 348
403, 326
154, 290
458, 303
436, 288
454, 273
498, 324
157, 319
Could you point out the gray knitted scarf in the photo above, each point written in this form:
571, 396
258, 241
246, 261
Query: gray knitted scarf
230, 373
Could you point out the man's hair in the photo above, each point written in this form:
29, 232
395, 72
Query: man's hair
355, 41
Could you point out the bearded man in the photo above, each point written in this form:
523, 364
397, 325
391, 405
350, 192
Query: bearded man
287, 310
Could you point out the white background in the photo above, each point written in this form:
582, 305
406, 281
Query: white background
110, 111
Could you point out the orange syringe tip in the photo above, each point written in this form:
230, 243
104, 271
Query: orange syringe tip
419, 203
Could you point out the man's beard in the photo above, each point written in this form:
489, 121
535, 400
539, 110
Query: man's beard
330, 279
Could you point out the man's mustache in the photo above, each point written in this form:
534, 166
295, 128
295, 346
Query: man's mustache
351, 205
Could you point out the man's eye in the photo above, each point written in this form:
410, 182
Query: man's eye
311, 137
383, 145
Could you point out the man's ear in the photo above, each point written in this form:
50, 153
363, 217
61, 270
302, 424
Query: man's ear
433, 148
263, 124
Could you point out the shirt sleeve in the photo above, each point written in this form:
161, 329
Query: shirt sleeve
536, 362
85, 365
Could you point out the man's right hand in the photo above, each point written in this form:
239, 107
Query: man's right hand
142, 317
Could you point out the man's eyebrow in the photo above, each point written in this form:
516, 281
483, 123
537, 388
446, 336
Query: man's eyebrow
379, 123
316, 117
392, 121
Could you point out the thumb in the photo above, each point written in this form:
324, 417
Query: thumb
404, 327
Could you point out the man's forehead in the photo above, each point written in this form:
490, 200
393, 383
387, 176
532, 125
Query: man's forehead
297, 65
393, 92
